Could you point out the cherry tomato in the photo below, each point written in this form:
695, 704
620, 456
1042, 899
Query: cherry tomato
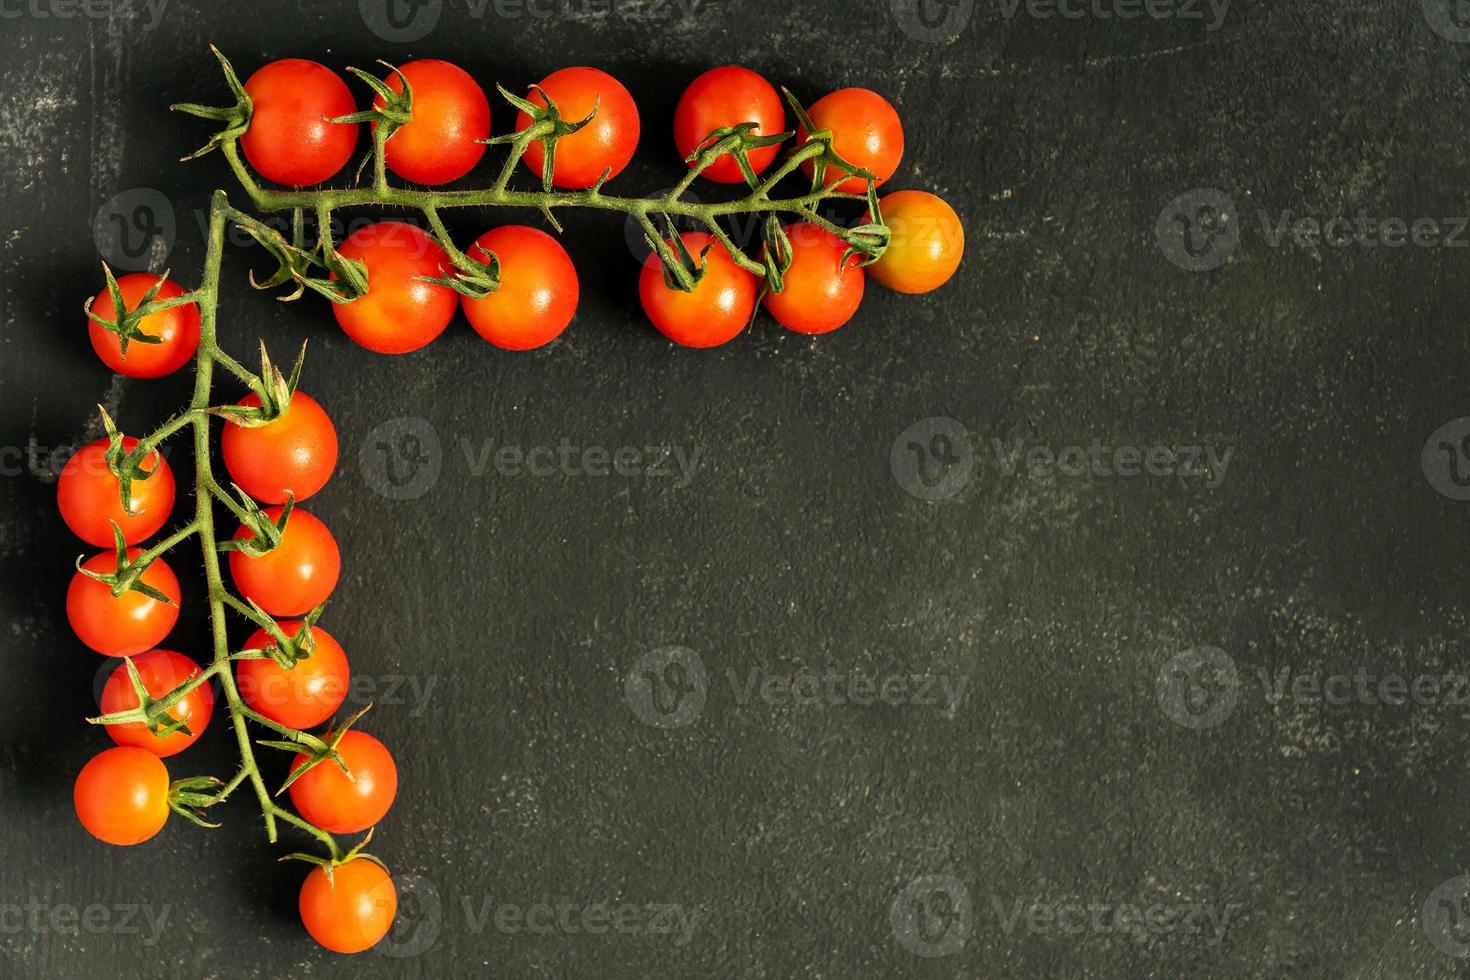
124, 625
304, 696
726, 97
450, 112
296, 575
339, 805
177, 329
121, 795
719, 307
353, 909
292, 454
926, 246
400, 313
866, 132
161, 671
289, 140
606, 143
89, 496
538, 289
819, 294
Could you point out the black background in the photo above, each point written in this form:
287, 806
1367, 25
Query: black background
517, 604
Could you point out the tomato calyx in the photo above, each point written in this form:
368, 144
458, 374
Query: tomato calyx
127, 576
548, 127
236, 117
395, 112
316, 751
327, 864
681, 270
828, 157
738, 141
187, 798
273, 388
286, 651
126, 466
127, 324
153, 712
267, 533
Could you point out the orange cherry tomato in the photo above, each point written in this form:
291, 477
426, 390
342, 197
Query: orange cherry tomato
293, 454
89, 496
450, 112
400, 312
121, 795
820, 294
724, 97
120, 626
339, 805
926, 246
161, 671
353, 909
177, 329
606, 143
866, 132
304, 696
538, 289
296, 575
719, 307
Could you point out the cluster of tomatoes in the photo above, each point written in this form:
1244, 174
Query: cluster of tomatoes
122, 795
291, 141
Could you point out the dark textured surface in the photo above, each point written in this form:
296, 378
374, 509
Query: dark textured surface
514, 606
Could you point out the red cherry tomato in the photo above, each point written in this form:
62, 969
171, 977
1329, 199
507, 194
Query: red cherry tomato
121, 795
724, 97
296, 575
400, 312
289, 140
121, 626
90, 501
538, 289
926, 244
819, 294
866, 132
177, 329
292, 454
161, 671
719, 307
340, 805
304, 696
449, 114
606, 143
353, 909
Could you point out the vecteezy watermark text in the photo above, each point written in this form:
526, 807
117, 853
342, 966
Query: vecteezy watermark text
39, 917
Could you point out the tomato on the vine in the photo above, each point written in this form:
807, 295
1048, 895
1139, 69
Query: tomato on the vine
351, 910
339, 805
538, 289
400, 312
304, 696
161, 672
296, 575
606, 143
290, 456
450, 112
89, 496
820, 293
716, 310
120, 626
289, 140
121, 795
176, 329
723, 97
866, 132
926, 242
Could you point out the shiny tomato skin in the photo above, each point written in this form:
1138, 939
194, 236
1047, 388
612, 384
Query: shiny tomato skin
538, 290
866, 132
177, 329
350, 911
820, 295
124, 625
925, 246
722, 97
338, 805
88, 495
161, 671
716, 311
607, 142
296, 575
304, 696
291, 455
289, 141
121, 795
399, 313
450, 112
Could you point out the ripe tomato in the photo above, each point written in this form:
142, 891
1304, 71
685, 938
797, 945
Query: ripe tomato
177, 329
353, 909
866, 132
289, 140
719, 307
926, 246
606, 143
121, 795
538, 289
400, 313
161, 671
304, 696
726, 97
88, 495
124, 625
449, 113
292, 454
819, 294
339, 805
296, 575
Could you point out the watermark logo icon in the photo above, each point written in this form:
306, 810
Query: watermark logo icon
1450, 19
932, 21
933, 459
933, 915
401, 21
402, 458
419, 919
1199, 229
135, 230
667, 688
1445, 919
1199, 688
1446, 459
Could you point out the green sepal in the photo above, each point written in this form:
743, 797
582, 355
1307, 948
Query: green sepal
327, 750
267, 532
236, 117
